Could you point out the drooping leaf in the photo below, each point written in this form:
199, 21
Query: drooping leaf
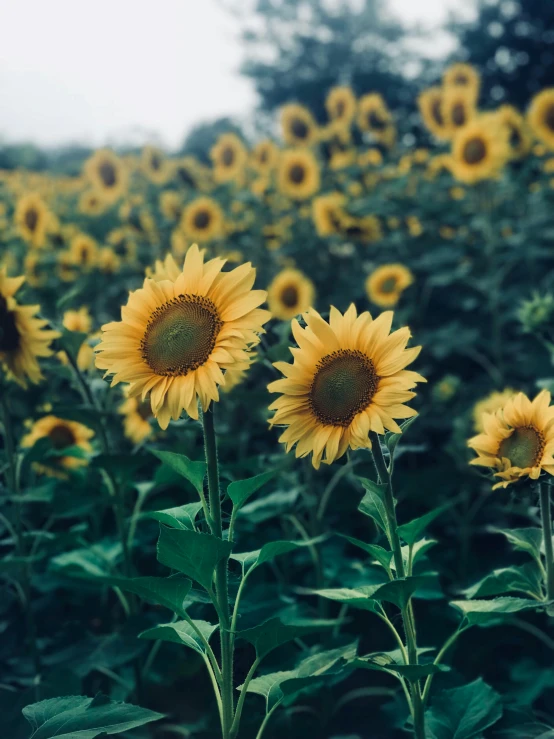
241, 490
382, 663
192, 553
269, 635
383, 556
462, 713
181, 632
411, 531
271, 550
181, 517
418, 550
526, 578
489, 612
194, 472
79, 717
358, 598
373, 503
524, 540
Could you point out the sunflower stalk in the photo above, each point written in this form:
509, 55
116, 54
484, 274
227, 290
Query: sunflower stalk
546, 518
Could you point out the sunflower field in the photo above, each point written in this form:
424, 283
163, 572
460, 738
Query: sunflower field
277, 433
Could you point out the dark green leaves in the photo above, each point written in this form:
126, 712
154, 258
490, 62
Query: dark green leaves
524, 540
194, 472
79, 717
195, 555
489, 612
269, 551
410, 532
241, 490
181, 517
357, 597
273, 633
373, 503
524, 579
384, 662
187, 633
162, 591
463, 712
401, 590
71, 341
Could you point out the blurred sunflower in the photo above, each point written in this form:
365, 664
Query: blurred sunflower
202, 220
170, 204
107, 261
479, 150
83, 251
518, 439
519, 136
298, 125
348, 378
385, 285
328, 213
66, 271
155, 165
23, 337
298, 175
341, 105
289, 294
78, 320
91, 203
265, 156
430, 108
32, 219
465, 77
35, 270
490, 404
374, 117
63, 435
458, 109
176, 338
107, 174
540, 116
136, 419
229, 157
187, 172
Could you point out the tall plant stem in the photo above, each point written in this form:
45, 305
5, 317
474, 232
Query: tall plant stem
221, 575
407, 612
546, 517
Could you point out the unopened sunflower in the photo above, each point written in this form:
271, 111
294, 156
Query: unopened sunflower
541, 117
385, 285
229, 157
518, 439
107, 174
298, 176
202, 220
32, 219
480, 150
348, 378
298, 125
341, 105
63, 435
290, 293
176, 338
430, 107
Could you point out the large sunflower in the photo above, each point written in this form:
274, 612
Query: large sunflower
229, 157
385, 285
480, 149
341, 105
540, 116
23, 337
348, 378
107, 174
465, 77
62, 434
518, 439
298, 175
32, 218
430, 107
298, 125
290, 293
176, 338
202, 220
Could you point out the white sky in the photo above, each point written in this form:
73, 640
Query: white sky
127, 70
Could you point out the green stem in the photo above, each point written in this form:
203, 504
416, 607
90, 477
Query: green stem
438, 659
265, 722
242, 697
221, 575
546, 517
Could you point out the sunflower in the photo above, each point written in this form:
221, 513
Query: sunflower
67, 271
298, 125
32, 219
374, 117
479, 150
91, 203
107, 175
366, 229
265, 156
83, 251
298, 175
370, 158
465, 77
63, 435
186, 172
348, 378
202, 220
136, 419
229, 157
155, 165
123, 242
176, 338
23, 337
458, 109
519, 136
430, 108
540, 117
341, 105
385, 285
78, 320
35, 271
490, 404
290, 293
108, 261
328, 213
518, 439
170, 204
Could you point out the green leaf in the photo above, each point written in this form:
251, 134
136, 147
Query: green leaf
195, 555
271, 550
241, 490
410, 532
382, 663
488, 612
271, 634
524, 540
71, 341
392, 439
181, 632
97, 560
194, 472
526, 578
463, 712
79, 717
161, 591
181, 517
373, 503
401, 590
383, 556
358, 598
418, 550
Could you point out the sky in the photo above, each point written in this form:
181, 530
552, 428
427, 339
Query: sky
119, 71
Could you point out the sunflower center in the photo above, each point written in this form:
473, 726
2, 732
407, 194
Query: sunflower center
340, 109
107, 174
437, 113
61, 436
523, 448
31, 219
343, 385
388, 285
375, 121
9, 335
297, 174
461, 79
289, 296
180, 335
458, 114
228, 156
549, 117
474, 151
155, 162
264, 155
202, 219
299, 128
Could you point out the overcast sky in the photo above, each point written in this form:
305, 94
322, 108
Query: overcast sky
121, 70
